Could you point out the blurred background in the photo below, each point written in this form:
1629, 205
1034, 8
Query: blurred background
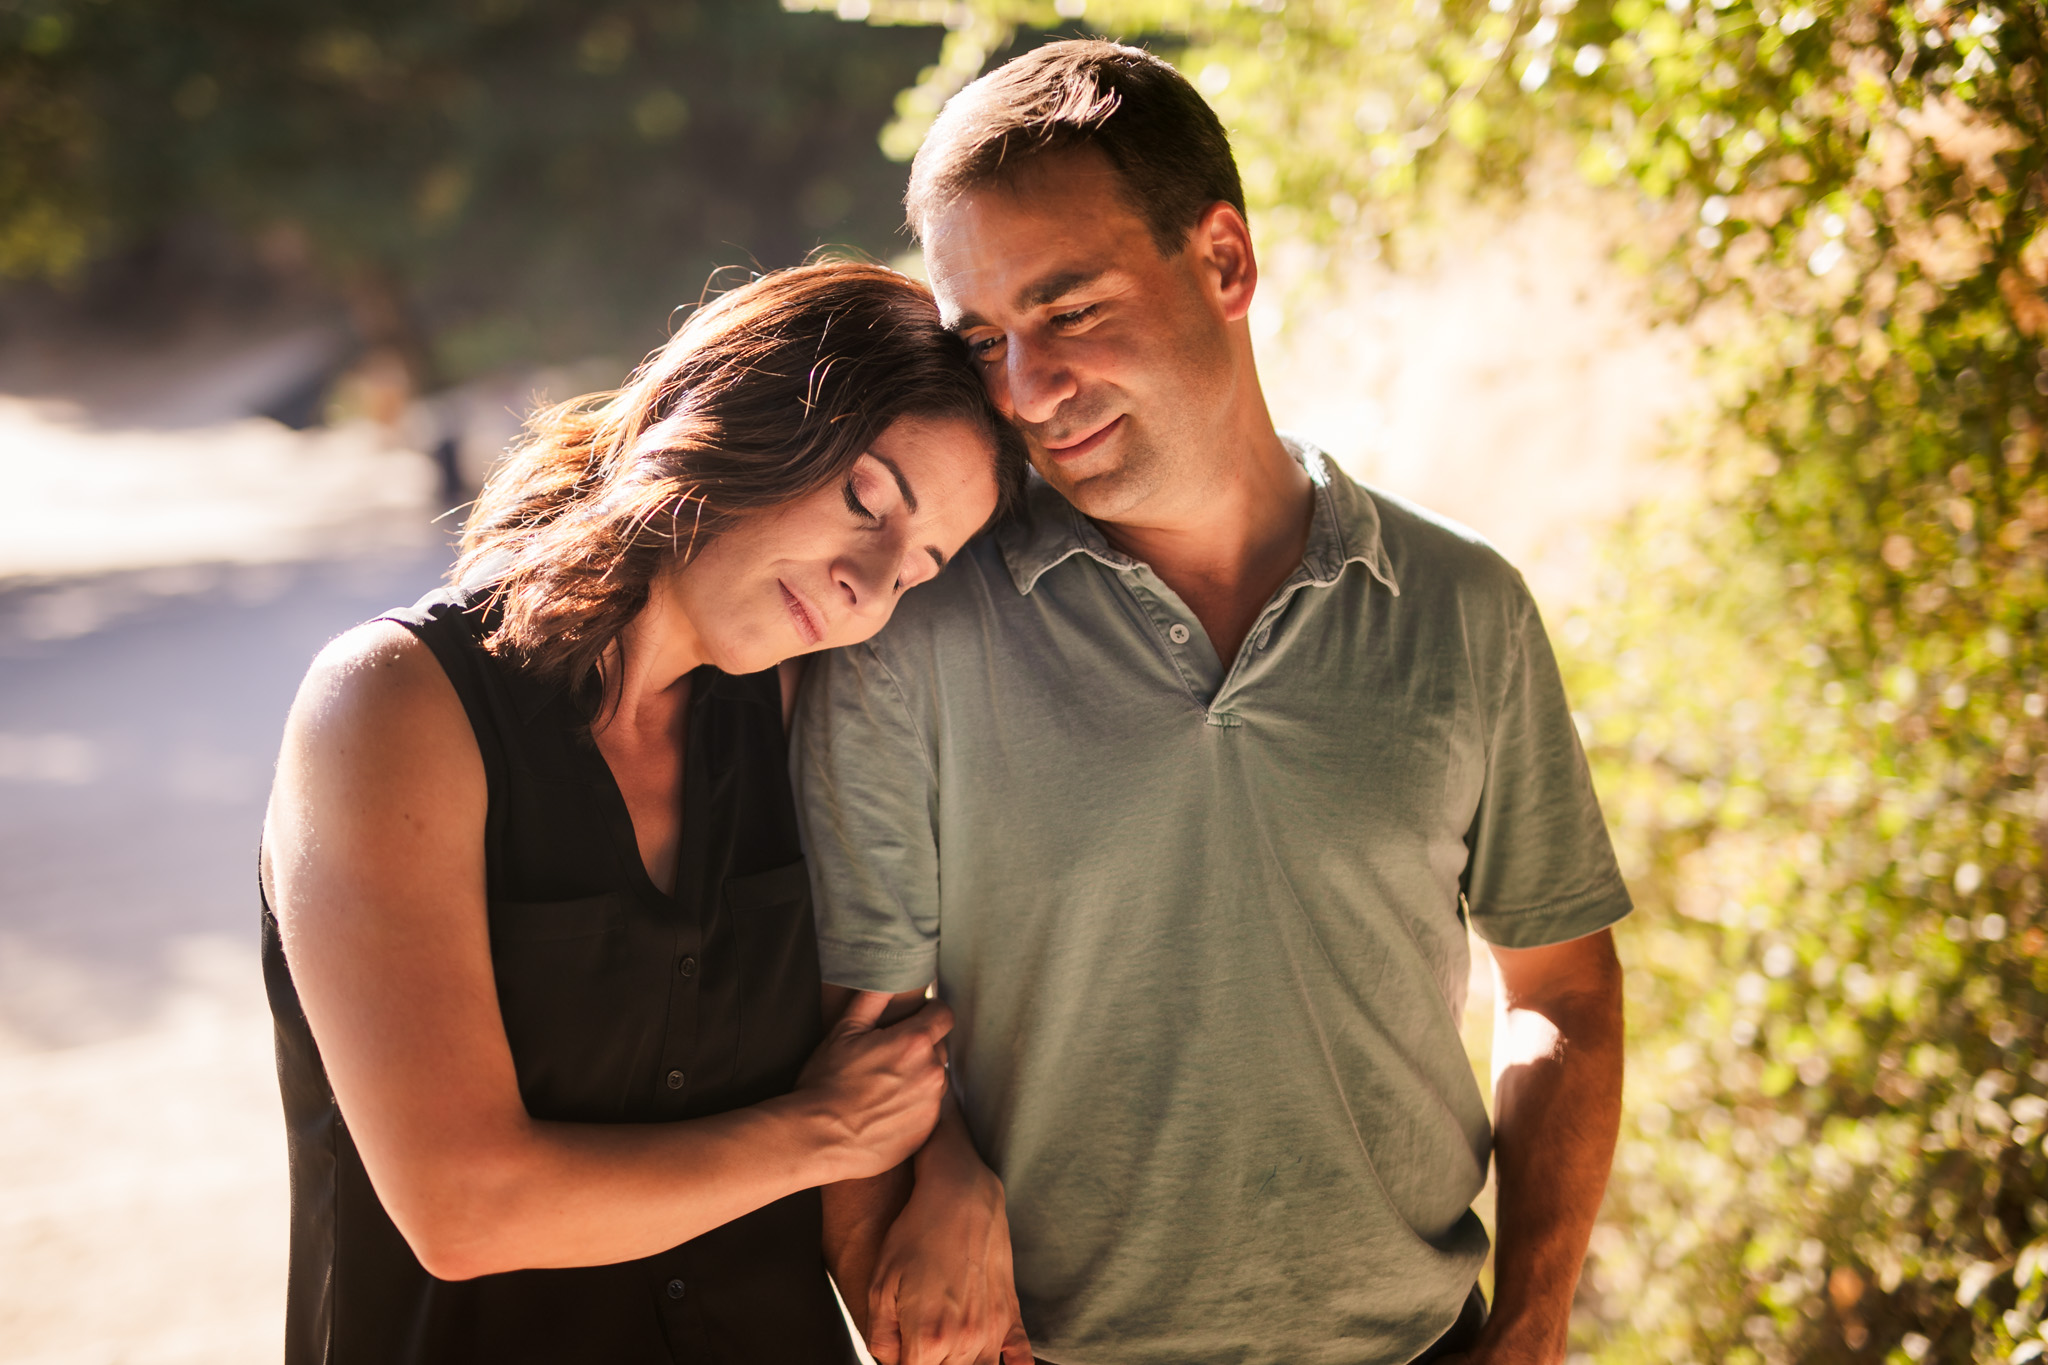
1724, 318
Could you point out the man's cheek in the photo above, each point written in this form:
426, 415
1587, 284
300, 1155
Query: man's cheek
997, 382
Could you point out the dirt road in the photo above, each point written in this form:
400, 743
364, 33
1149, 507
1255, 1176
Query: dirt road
142, 1192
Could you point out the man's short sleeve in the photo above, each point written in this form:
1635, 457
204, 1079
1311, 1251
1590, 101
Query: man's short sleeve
1542, 867
866, 800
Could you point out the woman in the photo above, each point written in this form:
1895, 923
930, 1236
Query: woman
537, 927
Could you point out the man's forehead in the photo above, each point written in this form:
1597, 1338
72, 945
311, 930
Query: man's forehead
1026, 242
1052, 180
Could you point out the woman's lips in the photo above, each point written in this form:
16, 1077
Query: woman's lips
807, 627
1087, 444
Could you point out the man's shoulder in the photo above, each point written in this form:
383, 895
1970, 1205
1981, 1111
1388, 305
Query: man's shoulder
1432, 555
990, 575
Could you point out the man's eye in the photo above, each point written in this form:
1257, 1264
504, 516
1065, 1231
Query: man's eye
981, 346
1078, 315
855, 505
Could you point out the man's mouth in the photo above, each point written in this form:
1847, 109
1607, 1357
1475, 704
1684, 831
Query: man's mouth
808, 628
1093, 441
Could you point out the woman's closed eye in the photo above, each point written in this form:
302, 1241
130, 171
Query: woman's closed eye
855, 505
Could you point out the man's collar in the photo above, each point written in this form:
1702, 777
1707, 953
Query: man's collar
1343, 529
1048, 531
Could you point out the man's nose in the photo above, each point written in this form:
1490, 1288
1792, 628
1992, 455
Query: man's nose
1037, 380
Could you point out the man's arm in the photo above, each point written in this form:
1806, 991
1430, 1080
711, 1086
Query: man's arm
1557, 1049
858, 1212
921, 1253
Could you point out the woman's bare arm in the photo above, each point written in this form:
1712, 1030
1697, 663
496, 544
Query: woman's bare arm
375, 853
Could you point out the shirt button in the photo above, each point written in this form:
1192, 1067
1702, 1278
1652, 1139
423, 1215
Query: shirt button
688, 966
1177, 633
675, 1080
675, 1289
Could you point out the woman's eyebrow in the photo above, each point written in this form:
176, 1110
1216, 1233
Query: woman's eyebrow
909, 498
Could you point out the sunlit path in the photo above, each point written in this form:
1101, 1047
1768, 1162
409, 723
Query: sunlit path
142, 1182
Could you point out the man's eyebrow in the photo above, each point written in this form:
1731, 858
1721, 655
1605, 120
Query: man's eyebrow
1041, 292
1034, 295
903, 484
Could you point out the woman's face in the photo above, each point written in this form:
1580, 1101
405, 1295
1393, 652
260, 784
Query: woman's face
826, 569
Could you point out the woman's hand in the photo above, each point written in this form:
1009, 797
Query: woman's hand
944, 1292
879, 1088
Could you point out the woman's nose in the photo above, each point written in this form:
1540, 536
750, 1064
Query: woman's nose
914, 566
867, 578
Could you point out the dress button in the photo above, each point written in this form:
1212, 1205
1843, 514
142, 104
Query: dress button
688, 966
1177, 633
675, 1080
675, 1289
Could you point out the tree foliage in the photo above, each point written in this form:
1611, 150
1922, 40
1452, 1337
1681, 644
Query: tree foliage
1815, 697
530, 176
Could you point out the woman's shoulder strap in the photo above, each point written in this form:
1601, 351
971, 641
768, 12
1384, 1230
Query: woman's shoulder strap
452, 622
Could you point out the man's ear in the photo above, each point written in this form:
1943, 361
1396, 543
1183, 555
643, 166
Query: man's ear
1222, 247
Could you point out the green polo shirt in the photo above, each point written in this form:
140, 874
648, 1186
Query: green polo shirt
1203, 922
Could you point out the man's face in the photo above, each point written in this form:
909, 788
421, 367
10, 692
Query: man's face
1114, 360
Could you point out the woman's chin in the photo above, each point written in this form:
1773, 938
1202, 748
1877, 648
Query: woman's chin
742, 657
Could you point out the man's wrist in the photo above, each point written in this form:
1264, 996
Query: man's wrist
940, 1162
1533, 1338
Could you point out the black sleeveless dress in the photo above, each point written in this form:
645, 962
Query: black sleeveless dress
623, 1005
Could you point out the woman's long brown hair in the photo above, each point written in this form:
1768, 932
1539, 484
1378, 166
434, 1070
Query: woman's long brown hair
768, 393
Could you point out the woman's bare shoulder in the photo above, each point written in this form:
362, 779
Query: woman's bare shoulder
378, 672
378, 761
376, 700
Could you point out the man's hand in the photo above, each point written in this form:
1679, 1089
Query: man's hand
1557, 1103
944, 1292
939, 1283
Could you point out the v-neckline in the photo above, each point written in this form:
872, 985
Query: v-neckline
619, 815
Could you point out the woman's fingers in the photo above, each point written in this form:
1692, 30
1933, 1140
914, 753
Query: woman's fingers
864, 1011
884, 1083
932, 1022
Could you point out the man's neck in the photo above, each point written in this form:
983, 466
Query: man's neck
1226, 548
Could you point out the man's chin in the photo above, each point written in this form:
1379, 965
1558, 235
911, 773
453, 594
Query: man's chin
1103, 496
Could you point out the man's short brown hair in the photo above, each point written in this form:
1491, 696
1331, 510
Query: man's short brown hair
1166, 143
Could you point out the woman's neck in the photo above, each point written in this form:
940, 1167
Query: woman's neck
657, 649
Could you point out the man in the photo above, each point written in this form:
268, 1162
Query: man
1183, 788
